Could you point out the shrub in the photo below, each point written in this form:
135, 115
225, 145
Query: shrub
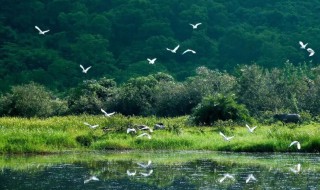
219, 107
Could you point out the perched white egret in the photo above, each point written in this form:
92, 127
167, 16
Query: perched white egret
195, 26
226, 138
92, 178
251, 129
129, 130
296, 169
250, 177
91, 126
144, 134
145, 165
152, 61
303, 46
189, 50
311, 51
131, 173
40, 31
147, 174
296, 142
174, 50
107, 114
145, 128
225, 176
85, 70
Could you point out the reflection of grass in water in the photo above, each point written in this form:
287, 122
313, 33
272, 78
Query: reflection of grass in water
56, 134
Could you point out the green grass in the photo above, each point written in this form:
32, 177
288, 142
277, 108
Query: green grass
56, 134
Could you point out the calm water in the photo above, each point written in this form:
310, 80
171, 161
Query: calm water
168, 170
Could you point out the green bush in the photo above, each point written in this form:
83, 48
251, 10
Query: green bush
219, 107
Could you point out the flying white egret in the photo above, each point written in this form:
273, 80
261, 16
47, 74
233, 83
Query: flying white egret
226, 138
144, 134
250, 177
145, 165
92, 178
145, 128
131, 173
129, 130
174, 50
189, 50
296, 169
147, 174
296, 142
152, 61
225, 176
107, 114
91, 126
85, 70
251, 129
303, 46
311, 51
195, 26
40, 31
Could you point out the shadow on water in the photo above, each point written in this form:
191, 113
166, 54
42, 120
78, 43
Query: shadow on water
160, 170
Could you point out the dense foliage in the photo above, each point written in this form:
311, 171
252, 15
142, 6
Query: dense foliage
116, 37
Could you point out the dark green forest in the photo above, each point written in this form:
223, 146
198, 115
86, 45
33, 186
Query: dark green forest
247, 50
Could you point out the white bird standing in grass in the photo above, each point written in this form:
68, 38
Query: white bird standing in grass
144, 134
92, 178
189, 50
250, 177
195, 26
147, 174
251, 129
225, 176
40, 31
129, 130
131, 173
303, 46
85, 70
152, 61
107, 114
145, 165
296, 169
311, 51
226, 138
174, 50
298, 144
91, 126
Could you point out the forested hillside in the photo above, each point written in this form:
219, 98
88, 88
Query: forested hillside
116, 37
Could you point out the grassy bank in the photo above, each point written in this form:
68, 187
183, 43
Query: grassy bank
57, 134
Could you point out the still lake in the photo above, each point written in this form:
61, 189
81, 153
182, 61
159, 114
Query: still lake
160, 170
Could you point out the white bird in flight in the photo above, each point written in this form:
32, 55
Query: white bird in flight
129, 130
147, 174
311, 51
251, 129
91, 126
85, 70
195, 26
152, 61
250, 177
144, 134
107, 114
225, 176
296, 169
131, 173
226, 138
145, 128
174, 50
145, 165
40, 31
298, 144
189, 50
303, 46
92, 178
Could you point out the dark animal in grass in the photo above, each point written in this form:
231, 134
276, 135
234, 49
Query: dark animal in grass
288, 118
159, 126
